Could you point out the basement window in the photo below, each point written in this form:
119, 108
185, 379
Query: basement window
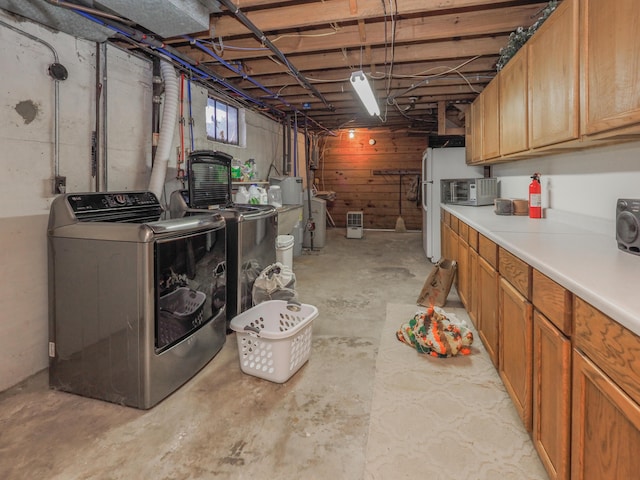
222, 121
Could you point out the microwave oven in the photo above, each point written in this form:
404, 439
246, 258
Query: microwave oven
469, 191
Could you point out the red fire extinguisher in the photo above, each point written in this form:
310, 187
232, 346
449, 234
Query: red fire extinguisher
535, 197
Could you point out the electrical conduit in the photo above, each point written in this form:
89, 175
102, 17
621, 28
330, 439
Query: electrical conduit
56, 95
169, 113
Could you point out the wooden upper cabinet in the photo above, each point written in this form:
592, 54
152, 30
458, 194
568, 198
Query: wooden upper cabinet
554, 77
611, 64
468, 135
477, 118
491, 121
514, 112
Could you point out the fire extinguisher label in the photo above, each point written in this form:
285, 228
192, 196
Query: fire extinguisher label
535, 200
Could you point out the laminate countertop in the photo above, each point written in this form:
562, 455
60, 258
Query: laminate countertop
579, 253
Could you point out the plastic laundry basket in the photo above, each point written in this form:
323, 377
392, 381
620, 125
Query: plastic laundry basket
274, 338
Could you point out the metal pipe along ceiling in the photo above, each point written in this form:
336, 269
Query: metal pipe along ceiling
263, 38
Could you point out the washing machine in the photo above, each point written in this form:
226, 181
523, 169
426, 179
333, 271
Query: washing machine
136, 300
251, 229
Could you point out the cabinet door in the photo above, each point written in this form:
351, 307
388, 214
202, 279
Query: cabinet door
491, 121
453, 245
605, 438
554, 78
474, 292
445, 238
551, 397
516, 337
514, 112
488, 328
468, 135
477, 118
611, 64
463, 271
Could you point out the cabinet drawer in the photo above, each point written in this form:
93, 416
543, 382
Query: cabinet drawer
463, 231
488, 250
446, 217
454, 223
613, 348
553, 300
473, 238
515, 271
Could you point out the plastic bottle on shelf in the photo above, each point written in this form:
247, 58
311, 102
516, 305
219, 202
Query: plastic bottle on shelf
242, 196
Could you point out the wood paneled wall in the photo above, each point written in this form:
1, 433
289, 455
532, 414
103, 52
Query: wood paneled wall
346, 167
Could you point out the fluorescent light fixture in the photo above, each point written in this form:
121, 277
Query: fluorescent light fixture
363, 89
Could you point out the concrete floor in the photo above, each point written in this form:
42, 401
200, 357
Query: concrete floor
224, 423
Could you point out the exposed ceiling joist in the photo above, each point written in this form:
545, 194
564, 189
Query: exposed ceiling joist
427, 60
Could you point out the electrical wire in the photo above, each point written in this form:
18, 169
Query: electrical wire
335, 27
413, 87
394, 14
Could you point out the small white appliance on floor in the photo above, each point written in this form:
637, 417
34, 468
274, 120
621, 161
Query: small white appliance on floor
355, 224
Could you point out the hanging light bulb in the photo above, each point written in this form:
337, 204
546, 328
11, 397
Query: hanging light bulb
364, 91
352, 133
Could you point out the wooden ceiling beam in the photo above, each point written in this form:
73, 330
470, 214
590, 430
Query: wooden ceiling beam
423, 95
332, 11
338, 92
472, 24
413, 72
456, 49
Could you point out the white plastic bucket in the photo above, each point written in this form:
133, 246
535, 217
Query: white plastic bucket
284, 250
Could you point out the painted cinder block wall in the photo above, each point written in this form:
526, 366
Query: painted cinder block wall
26, 160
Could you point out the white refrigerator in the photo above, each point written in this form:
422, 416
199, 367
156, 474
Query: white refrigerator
439, 163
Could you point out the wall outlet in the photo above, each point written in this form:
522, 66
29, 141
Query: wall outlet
60, 185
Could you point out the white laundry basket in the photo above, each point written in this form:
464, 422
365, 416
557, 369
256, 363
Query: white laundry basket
274, 338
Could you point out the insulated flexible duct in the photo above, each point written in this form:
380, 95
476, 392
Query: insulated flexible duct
169, 115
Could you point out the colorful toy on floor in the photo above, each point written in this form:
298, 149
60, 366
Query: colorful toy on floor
433, 333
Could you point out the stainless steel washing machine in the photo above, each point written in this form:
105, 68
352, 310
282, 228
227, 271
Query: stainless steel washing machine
136, 301
251, 229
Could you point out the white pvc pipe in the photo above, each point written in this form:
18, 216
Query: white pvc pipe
169, 115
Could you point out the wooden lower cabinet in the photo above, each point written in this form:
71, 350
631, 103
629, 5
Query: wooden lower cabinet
605, 441
452, 245
572, 372
463, 271
516, 338
474, 292
444, 241
551, 397
488, 326
605, 426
